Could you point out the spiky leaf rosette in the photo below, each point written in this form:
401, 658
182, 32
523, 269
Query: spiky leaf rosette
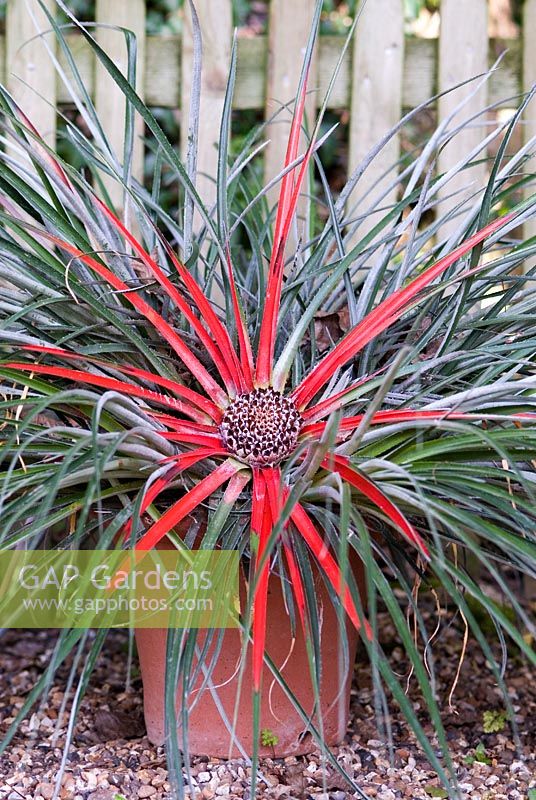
409, 439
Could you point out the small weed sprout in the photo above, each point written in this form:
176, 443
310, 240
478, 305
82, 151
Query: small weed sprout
493, 721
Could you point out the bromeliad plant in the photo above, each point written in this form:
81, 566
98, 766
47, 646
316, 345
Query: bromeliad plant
416, 421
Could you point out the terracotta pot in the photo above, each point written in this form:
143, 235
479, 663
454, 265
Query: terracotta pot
208, 733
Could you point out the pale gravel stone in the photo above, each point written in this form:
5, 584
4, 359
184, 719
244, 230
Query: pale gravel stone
146, 791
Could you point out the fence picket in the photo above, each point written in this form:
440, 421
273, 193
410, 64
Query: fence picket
376, 98
29, 72
215, 19
529, 80
529, 130
109, 100
463, 53
289, 25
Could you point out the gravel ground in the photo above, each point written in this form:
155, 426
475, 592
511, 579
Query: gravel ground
111, 759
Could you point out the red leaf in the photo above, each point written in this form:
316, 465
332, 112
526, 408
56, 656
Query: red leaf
235, 487
383, 316
340, 464
183, 425
296, 581
80, 376
336, 401
288, 198
41, 147
186, 505
210, 345
187, 437
219, 331
195, 367
205, 451
178, 388
349, 424
261, 525
181, 462
314, 541
246, 356
275, 499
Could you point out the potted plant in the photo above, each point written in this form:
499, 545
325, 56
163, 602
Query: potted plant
408, 440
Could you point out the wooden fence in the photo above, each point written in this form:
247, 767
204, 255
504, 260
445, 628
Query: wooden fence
383, 73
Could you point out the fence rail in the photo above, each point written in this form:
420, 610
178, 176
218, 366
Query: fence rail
383, 72
162, 73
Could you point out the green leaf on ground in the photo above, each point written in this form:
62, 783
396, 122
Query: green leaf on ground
479, 755
436, 791
493, 721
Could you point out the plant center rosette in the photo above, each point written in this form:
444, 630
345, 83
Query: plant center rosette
261, 427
